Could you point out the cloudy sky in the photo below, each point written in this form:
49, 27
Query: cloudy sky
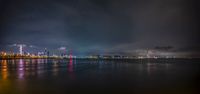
100, 26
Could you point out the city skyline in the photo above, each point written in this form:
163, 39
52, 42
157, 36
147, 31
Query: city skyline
156, 52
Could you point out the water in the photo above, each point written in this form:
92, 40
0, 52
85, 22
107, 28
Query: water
43, 76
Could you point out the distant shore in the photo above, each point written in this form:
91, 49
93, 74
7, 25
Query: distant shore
94, 58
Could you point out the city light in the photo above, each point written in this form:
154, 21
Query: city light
66, 53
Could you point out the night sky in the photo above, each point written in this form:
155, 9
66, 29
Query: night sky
101, 26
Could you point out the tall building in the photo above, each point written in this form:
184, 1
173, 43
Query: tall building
45, 52
21, 49
21, 52
48, 53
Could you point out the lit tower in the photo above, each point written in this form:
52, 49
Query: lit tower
21, 48
45, 51
70, 56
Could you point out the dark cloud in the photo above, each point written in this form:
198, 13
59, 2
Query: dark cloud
90, 26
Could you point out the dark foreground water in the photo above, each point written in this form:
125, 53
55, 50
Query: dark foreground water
42, 76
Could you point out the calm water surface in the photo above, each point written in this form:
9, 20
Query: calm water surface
44, 76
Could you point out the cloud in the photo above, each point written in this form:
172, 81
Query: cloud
100, 26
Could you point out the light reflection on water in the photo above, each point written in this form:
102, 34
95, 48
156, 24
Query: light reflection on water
25, 76
4, 69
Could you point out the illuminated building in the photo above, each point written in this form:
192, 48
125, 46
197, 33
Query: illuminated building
21, 49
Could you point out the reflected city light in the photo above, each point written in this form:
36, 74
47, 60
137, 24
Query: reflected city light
21, 69
55, 68
70, 66
4, 69
70, 69
151, 67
